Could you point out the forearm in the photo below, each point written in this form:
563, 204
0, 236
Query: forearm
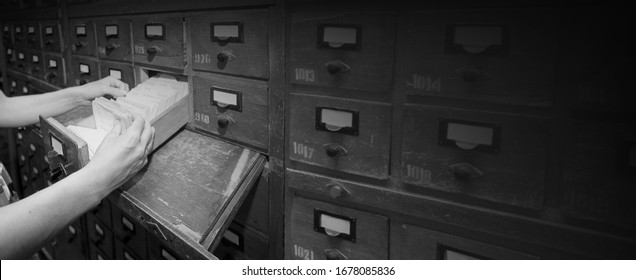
25, 226
25, 110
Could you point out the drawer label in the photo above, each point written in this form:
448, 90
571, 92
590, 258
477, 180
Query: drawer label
303, 253
200, 117
305, 75
140, 49
429, 84
418, 174
303, 150
202, 58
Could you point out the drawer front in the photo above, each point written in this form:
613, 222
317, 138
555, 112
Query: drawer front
54, 70
340, 134
122, 71
69, 243
232, 108
501, 56
231, 42
32, 35
82, 37
113, 39
410, 242
51, 36
490, 156
129, 233
122, 252
242, 243
99, 236
319, 230
19, 34
158, 41
351, 51
7, 34
22, 60
599, 172
84, 70
103, 212
36, 64
254, 211
12, 57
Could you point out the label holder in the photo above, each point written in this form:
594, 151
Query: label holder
492, 148
227, 39
319, 228
239, 99
353, 46
352, 130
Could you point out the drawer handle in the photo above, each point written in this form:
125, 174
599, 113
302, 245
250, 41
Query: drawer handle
83, 82
336, 67
111, 47
336, 190
334, 150
224, 121
334, 254
80, 44
50, 76
225, 56
153, 50
472, 75
464, 171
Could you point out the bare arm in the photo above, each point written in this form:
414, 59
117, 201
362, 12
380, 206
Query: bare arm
26, 225
24, 110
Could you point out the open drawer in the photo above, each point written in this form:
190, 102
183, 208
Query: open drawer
188, 193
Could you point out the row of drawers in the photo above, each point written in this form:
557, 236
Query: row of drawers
231, 42
49, 67
319, 230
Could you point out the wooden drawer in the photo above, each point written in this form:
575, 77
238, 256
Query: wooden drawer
70, 243
82, 36
7, 34
158, 41
232, 108
344, 50
340, 134
99, 236
410, 242
113, 39
319, 230
54, 70
21, 61
51, 36
19, 34
35, 64
129, 233
491, 156
122, 71
233, 42
123, 252
599, 173
32, 35
254, 211
84, 70
103, 211
500, 56
242, 243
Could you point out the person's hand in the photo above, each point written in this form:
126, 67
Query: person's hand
106, 86
122, 155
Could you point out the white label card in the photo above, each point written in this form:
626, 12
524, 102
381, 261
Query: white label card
469, 136
80, 30
48, 30
336, 118
340, 35
335, 226
31, 30
115, 73
35, 58
9, 51
112, 30
20, 56
232, 237
128, 224
6, 29
167, 255
84, 68
52, 63
225, 97
154, 30
226, 31
18, 29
